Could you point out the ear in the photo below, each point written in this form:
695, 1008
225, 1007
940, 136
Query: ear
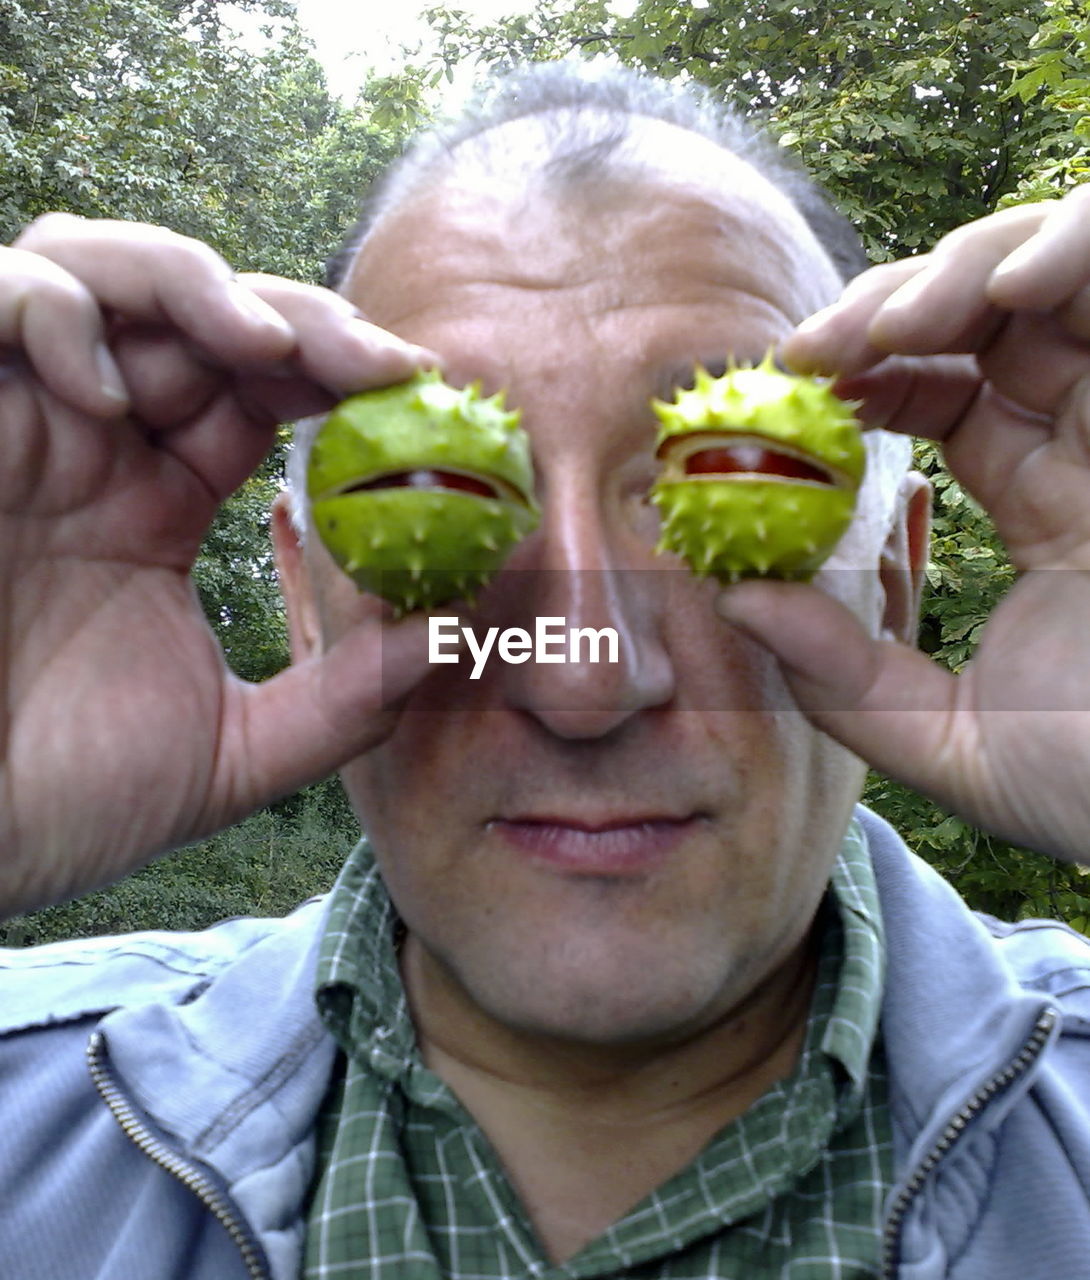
904, 559
296, 583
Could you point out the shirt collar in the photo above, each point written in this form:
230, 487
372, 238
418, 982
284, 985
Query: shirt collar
359, 992
853, 1019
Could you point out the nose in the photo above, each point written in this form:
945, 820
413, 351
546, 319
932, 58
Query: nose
602, 592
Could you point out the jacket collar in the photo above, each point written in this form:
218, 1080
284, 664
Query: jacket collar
236, 1074
956, 1011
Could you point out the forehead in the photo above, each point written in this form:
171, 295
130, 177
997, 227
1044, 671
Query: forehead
670, 215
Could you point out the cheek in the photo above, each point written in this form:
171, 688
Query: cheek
421, 777
392, 817
786, 770
720, 670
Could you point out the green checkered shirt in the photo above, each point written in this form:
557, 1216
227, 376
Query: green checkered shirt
408, 1188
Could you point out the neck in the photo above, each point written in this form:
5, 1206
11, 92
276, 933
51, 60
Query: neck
586, 1131
720, 1054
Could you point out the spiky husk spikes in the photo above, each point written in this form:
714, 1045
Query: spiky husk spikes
419, 545
748, 523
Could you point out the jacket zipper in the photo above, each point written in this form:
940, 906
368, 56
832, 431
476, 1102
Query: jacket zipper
159, 1153
1001, 1081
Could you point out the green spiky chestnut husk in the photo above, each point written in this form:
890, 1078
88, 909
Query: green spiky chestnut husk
749, 523
392, 479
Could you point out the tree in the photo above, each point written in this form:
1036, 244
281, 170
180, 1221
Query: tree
1056, 74
152, 110
901, 107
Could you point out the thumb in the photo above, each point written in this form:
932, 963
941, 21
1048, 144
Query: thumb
314, 717
883, 700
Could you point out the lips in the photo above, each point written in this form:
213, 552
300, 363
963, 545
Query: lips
619, 846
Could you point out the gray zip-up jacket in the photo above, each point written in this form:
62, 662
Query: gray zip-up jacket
158, 1095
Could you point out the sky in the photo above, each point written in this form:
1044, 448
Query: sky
352, 39
368, 33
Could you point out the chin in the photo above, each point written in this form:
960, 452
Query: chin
604, 995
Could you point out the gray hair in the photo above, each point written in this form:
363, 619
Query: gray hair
587, 112
593, 108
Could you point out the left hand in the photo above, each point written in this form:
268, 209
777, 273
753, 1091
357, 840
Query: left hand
983, 345
140, 383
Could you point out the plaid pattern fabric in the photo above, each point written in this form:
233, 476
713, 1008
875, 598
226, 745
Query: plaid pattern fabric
408, 1188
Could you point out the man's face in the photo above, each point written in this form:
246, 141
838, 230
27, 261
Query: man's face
610, 853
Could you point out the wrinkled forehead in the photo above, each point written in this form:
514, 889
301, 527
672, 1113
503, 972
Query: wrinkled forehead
499, 199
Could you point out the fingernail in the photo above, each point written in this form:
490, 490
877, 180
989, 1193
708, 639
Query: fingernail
1015, 262
422, 356
807, 361
377, 340
418, 357
906, 297
817, 321
110, 381
252, 308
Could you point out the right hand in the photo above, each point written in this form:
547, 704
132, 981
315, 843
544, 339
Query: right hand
982, 344
140, 384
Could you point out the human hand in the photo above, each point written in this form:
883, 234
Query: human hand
983, 345
140, 384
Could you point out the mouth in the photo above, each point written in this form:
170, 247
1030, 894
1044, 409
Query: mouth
709, 455
620, 846
434, 479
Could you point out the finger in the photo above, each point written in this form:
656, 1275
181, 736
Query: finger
1075, 314
1053, 266
946, 307
1036, 361
220, 444
336, 353
1033, 364
335, 345
54, 323
914, 395
934, 302
167, 384
963, 741
312, 718
169, 387
885, 702
987, 437
835, 339
152, 274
